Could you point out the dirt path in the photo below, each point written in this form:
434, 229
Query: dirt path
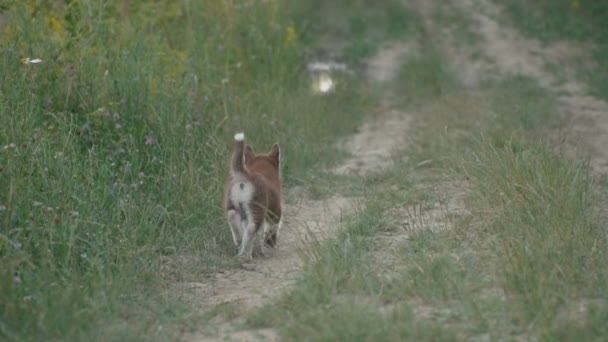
510, 53
266, 277
306, 220
507, 52
371, 148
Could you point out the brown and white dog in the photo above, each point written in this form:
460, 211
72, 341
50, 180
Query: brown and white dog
252, 199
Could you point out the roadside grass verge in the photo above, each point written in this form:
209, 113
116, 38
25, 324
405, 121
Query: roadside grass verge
485, 231
531, 246
114, 149
550, 251
339, 294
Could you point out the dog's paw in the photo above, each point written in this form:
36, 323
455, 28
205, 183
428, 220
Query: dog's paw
248, 266
271, 240
245, 256
258, 252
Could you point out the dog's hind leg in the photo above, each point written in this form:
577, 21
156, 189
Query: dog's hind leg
258, 249
235, 222
271, 233
250, 237
246, 250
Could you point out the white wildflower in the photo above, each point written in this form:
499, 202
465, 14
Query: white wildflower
32, 61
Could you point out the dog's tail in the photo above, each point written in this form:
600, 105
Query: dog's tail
237, 153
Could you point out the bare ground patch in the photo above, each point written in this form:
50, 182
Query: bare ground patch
372, 146
266, 277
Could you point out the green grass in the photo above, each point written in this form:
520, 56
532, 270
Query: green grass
552, 252
521, 262
576, 20
353, 29
522, 257
114, 149
340, 290
459, 23
117, 147
422, 79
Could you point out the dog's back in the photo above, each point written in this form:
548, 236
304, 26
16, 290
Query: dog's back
265, 168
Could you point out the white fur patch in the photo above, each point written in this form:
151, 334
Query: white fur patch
239, 136
241, 192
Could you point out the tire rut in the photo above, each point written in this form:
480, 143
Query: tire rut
513, 54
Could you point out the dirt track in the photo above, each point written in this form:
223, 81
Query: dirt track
511, 53
306, 220
507, 52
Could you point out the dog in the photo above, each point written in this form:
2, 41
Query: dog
252, 199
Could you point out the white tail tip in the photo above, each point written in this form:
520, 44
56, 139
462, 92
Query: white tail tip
239, 136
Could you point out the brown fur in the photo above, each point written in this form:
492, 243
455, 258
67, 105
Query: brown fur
252, 198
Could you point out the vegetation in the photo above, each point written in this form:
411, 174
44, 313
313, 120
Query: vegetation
481, 230
574, 20
353, 29
113, 150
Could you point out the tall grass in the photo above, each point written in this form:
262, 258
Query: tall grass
534, 223
338, 295
114, 148
521, 256
541, 222
534, 217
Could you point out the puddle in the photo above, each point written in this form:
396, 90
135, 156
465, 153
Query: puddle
323, 75
326, 67
323, 83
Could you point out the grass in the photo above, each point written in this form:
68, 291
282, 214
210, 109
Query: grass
355, 28
341, 286
459, 23
551, 250
113, 152
423, 78
491, 233
114, 149
577, 20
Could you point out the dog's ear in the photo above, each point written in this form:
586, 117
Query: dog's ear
249, 154
275, 153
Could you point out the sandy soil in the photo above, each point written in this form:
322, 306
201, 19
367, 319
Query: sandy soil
268, 276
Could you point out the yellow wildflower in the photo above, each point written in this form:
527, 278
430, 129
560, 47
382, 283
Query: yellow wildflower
575, 4
180, 57
290, 36
56, 24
